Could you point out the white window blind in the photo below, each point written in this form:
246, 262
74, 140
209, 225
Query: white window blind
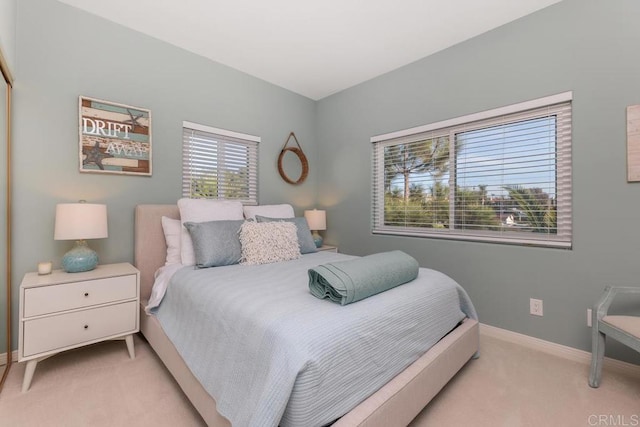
502, 176
219, 164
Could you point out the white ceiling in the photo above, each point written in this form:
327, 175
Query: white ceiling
314, 48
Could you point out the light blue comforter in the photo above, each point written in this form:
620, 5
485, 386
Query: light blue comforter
272, 354
349, 281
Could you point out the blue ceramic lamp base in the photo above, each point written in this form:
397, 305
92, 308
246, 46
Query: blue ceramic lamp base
317, 238
80, 258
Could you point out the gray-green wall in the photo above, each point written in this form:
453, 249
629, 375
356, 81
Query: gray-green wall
62, 53
585, 46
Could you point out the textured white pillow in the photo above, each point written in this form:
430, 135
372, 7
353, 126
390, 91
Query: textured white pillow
172, 235
271, 211
267, 242
202, 210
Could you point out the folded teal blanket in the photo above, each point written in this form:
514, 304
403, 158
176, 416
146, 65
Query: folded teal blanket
350, 281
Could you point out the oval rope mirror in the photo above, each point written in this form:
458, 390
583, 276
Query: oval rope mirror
304, 163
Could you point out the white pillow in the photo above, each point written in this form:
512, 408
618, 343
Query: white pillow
267, 242
271, 211
172, 235
202, 210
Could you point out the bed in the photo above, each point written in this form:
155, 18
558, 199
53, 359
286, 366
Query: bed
394, 404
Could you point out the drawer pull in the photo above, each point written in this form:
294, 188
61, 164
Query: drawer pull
86, 294
86, 326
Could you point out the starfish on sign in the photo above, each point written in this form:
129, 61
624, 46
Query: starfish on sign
134, 119
94, 155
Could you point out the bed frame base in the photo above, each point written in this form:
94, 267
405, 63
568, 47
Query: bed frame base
395, 404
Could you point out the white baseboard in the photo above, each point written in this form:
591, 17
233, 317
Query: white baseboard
559, 350
548, 347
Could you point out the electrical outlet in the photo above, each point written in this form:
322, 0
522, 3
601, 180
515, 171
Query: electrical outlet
535, 307
588, 317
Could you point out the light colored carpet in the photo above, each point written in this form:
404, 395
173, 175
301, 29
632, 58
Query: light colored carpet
512, 386
509, 385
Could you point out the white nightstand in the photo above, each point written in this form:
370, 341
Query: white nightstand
328, 248
61, 311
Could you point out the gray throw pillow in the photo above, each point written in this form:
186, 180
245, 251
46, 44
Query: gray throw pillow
305, 239
215, 243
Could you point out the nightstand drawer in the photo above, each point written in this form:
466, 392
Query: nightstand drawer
65, 330
67, 296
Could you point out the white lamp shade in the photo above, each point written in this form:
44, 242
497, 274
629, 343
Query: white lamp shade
316, 219
80, 221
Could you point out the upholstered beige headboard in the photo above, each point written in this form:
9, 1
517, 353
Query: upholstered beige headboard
150, 247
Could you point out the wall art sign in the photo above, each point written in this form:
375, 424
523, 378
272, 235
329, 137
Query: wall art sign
633, 143
114, 138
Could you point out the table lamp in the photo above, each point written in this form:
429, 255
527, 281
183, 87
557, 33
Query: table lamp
317, 220
80, 221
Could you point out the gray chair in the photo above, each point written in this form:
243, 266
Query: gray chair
625, 329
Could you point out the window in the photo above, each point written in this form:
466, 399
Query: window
219, 164
500, 176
